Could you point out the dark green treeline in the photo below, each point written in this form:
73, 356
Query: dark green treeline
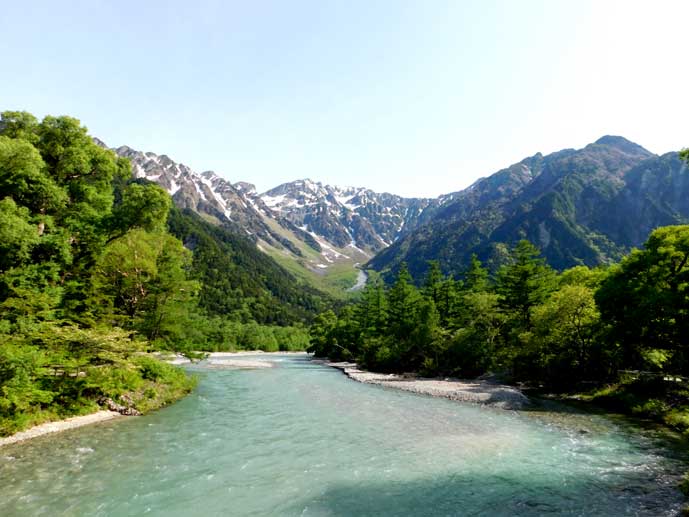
527, 322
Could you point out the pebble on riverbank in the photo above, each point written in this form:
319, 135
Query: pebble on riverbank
231, 360
60, 425
476, 392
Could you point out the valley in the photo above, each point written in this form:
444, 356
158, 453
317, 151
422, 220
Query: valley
344, 259
585, 206
318, 232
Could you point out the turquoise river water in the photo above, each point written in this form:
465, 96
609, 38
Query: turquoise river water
301, 439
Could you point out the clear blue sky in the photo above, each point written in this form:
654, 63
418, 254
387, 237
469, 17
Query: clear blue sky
414, 98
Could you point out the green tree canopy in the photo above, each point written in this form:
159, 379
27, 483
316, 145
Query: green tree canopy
17, 235
646, 298
23, 176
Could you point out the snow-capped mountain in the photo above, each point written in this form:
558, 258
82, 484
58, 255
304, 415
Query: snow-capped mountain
317, 225
209, 194
347, 216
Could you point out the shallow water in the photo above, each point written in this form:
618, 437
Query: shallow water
302, 439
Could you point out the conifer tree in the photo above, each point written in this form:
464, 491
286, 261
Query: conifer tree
476, 276
403, 302
434, 278
372, 312
524, 283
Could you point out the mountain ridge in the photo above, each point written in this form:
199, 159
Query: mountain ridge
313, 228
573, 203
580, 206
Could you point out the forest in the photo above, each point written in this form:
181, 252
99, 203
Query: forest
95, 275
616, 335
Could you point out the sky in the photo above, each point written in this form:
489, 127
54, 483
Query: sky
414, 98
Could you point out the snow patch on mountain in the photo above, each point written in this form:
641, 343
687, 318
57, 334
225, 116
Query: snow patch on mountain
343, 224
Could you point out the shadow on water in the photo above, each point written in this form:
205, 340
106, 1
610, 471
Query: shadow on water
590, 418
509, 494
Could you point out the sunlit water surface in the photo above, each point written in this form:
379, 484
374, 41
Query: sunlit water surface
302, 439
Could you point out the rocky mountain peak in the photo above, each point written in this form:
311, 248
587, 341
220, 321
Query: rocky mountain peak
247, 188
622, 144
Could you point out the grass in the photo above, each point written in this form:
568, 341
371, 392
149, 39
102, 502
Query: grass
162, 385
335, 280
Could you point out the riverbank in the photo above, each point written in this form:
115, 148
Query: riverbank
227, 359
167, 392
138, 385
60, 425
475, 391
661, 399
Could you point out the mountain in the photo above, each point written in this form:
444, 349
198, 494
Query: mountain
237, 279
205, 193
580, 206
319, 232
349, 216
584, 206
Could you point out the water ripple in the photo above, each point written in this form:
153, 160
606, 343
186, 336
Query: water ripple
300, 439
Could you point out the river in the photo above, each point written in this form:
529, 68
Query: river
301, 439
361, 278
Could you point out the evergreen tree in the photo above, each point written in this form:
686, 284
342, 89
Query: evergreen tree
524, 283
372, 313
475, 347
476, 276
449, 302
427, 338
403, 302
432, 285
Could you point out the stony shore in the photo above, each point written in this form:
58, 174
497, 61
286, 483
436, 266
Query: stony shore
232, 360
472, 391
60, 425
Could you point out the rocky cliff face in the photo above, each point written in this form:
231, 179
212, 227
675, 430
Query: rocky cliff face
347, 216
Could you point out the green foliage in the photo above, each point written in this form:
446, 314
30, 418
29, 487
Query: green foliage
531, 324
658, 397
524, 283
322, 341
142, 279
19, 125
75, 286
23, 176
18, 236
20, 366
646, 299
476, 276
240, 282
561, 346
475, 347
141, 206
684, 154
